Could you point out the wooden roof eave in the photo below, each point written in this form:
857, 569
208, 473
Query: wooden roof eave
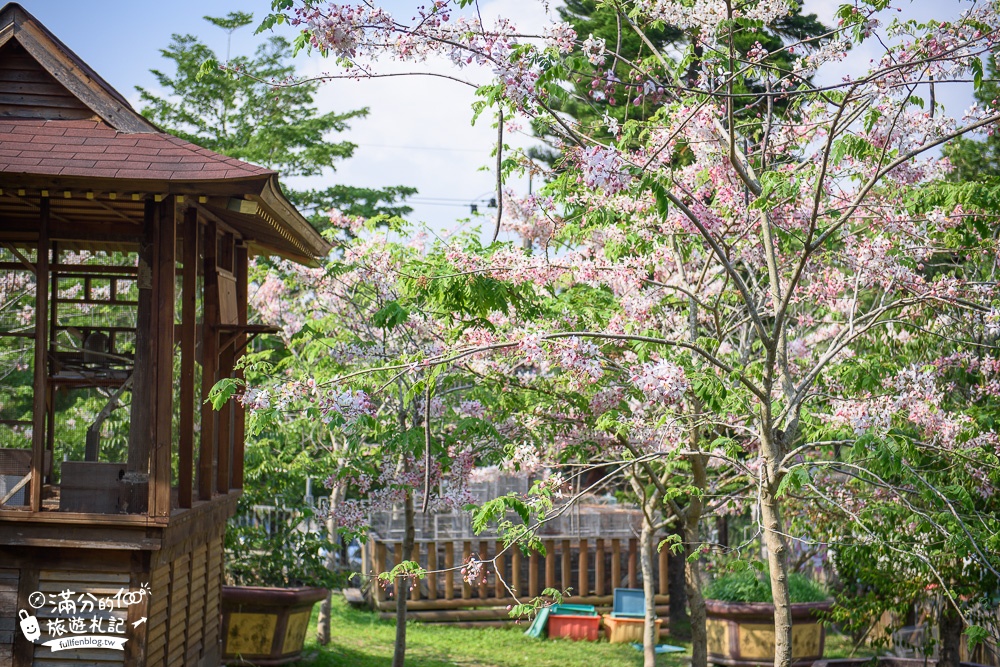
277, 206
231, 187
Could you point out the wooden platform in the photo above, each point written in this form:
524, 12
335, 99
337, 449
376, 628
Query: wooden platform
178, 561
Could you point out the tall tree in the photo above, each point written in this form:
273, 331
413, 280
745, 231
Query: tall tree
243, 110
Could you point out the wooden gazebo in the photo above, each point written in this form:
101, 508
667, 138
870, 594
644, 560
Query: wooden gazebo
123, 299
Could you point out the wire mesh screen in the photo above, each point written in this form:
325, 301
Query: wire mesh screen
17, 348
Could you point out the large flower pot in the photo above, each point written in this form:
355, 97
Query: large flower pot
265, 626
742, 633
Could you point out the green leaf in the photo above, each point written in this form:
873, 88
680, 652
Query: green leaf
392, 315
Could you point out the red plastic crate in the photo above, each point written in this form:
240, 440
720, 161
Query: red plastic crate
575, 627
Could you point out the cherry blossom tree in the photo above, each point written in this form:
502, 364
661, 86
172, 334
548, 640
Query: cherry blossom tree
716, 248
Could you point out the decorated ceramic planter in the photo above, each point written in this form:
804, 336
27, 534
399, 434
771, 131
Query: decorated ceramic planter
742, 633
265, 626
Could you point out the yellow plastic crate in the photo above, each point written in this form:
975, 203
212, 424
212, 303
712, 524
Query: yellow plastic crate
622, 630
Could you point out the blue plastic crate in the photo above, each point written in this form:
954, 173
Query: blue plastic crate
629, 603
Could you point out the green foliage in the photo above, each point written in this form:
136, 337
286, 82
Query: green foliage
747, 586
245, 109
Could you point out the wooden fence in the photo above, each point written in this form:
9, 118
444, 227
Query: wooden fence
590, 569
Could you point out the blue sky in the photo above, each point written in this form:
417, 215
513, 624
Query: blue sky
418, 132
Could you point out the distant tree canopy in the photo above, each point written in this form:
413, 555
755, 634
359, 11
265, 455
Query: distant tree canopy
588, 105
239, 111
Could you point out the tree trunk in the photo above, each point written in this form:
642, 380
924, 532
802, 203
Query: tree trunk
950, 629
402, 586
649, 592
677, 588
696, 601
777, 565
323, 622
695, 598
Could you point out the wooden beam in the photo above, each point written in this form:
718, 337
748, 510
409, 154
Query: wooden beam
583, 577
633, 563
189, 334
239, 412
41, 356
449, 570
164, 277
566, 566
209, 363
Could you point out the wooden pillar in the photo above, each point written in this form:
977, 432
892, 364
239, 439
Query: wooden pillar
664, 555
566, 579
633, 563
616, 563
379, 569
432, 566
415, 583
239, 412
164, 290
53, 318
41, 357
499, 591
209, 363
533, 588
449, 570
466, 553
483, 582
135, 489
599, 567
515, 570
583, 579
224, 434
189, 335
550, 564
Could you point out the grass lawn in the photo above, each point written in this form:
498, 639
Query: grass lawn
361, 640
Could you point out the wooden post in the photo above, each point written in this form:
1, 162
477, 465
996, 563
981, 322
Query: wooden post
380, 556
53, 318
239, 412
164, 290
432, 566
209, 363
533, 588
224, 434
584, 575
140, 433
566, 570
550, 564
41, 356
664, 578
415, 583
466, 553
616, 563
483, 583
449, 574
515, 570
633, 563
499, 575
189, 334
599, 567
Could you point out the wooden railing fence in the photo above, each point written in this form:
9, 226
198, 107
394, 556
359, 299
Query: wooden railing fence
589, 569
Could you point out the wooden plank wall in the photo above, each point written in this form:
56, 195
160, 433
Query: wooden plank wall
8, 615
100, 585
27, 90
184, 618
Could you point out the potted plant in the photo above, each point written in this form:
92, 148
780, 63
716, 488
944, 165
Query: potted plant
276, 571
740, 623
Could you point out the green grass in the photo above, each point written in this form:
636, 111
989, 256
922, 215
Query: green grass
359, 638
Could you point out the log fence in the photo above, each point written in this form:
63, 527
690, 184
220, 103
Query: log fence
586, 570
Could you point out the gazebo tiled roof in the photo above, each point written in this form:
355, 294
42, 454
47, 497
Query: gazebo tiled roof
64, 128
90, 148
